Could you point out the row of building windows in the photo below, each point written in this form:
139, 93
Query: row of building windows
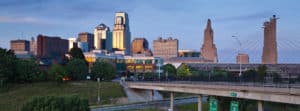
132, 61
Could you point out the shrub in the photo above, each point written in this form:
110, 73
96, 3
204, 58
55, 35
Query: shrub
52, 103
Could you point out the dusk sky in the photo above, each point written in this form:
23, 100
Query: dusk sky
181, 19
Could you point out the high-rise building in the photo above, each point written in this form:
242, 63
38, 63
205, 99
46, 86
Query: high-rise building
269, 55
209, 50
88, 38
121, 33
165, 48
242, 59
19, 45
140, 46
33, 47
83, 46
102, 38
72, 42
51, 47
21, 48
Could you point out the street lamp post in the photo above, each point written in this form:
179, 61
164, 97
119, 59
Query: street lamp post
98, 97
159, 70
240, 62
167, 75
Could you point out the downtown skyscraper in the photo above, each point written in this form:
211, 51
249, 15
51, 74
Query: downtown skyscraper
269, 55
121, 33
209, 50
86, 38
102, 38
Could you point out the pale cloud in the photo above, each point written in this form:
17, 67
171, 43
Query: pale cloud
31, 20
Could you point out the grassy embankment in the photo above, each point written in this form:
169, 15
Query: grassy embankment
13, 98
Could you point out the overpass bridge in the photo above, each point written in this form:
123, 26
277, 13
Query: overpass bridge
282, 93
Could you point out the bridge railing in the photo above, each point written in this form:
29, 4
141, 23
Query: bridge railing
246, 84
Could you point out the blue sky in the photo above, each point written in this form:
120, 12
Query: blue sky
184, 20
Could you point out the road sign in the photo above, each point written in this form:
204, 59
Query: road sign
233, 94
234, 106
213, 105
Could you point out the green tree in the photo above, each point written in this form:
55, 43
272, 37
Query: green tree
170, 69
8, 62
53, 103
150, 75
184, 71
76, 53
199, 74
57, 72
103, 69
261, 73
276, 78
28, 71
77, 69
219, 74
249, 75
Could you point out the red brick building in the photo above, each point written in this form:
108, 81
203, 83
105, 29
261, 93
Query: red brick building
51, 47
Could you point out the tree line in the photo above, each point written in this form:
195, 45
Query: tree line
184, 72
14, 70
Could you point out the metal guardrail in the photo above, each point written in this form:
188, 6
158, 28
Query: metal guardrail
246, 84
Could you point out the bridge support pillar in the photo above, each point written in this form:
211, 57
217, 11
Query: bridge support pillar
199, 103
260, 106
171, 101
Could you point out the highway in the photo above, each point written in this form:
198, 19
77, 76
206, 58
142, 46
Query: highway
160, 103
282, 93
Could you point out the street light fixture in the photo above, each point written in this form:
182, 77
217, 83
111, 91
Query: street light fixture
240, 62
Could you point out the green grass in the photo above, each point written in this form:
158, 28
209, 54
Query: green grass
191, 107
13, 98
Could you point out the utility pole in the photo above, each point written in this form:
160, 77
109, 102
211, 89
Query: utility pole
240, 45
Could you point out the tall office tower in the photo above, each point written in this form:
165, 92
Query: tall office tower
209, 50
33, 47
140, 46
87, 37
84, 46
242, 58
165, 48
102, 38
51, 47
269, 55
19, 45
72, 42
121, 33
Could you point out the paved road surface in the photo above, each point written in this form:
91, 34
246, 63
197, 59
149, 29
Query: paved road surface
160, 103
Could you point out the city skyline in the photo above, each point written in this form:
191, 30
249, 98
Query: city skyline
244, 21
